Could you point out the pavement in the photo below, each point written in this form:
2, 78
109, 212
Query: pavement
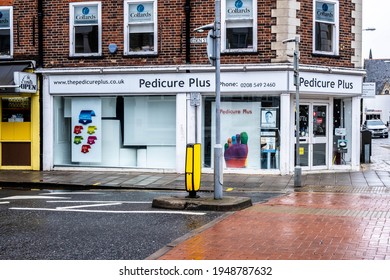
332, 216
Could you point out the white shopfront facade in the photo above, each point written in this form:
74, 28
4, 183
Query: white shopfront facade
143, 118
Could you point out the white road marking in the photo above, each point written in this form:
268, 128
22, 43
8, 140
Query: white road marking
90, 205
4, 202
61, 193
100, 201
16, 197
110, 211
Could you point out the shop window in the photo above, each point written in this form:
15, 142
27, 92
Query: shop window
249, 132
6, 32
342, 123
115, 131
16, 109
238, 30
85, 29
140, 27
326, 29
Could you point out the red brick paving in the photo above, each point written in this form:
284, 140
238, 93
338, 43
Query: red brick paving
299, 226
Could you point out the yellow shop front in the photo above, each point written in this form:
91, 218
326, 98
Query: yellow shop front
19, 127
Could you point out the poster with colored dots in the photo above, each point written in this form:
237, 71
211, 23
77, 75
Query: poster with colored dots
86, 129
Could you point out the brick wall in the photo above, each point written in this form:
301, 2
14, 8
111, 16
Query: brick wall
25, 28
305, 14
171, 34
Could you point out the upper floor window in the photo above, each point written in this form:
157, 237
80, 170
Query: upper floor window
140, 27
85, 29
326, 27
6, 32
239, 25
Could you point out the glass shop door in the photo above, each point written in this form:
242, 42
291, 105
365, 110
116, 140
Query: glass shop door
313, 135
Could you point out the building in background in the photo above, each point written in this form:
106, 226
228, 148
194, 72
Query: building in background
377, 104
121, 80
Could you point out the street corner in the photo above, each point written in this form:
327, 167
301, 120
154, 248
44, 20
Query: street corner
227, 203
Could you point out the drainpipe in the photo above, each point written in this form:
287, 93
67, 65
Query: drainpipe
187, 9
40, 65
40, 33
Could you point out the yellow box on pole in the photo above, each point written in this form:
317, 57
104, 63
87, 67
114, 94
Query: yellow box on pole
193, 168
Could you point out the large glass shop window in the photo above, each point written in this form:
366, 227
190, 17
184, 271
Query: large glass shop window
130, 131
342, 123
249, 132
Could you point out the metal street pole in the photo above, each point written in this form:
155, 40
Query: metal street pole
218, 167
297, 171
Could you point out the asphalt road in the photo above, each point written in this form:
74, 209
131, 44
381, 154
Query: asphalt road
91, 225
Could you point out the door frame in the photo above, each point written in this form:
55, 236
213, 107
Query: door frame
310, 139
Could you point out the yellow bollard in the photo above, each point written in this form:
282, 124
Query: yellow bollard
193, 169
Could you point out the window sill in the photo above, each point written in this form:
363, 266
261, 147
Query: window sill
86, 56
325, 55
140, 54
238, 51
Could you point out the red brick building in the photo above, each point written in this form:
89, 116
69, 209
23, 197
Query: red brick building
135, 76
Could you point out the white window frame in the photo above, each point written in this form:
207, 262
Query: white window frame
11, 31
72, 39
335, 28
239, 23
127, 25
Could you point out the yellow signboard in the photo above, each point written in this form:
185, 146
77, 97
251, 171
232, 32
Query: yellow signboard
301, 151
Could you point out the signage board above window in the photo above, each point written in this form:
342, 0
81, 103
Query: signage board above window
86, 14
325, 11
5, 18
141, 12
239, 9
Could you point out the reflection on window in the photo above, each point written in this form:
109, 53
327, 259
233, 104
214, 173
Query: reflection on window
319, 121
141, 42
87, 38
304, 120
238, 38
324, 36
5, 42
